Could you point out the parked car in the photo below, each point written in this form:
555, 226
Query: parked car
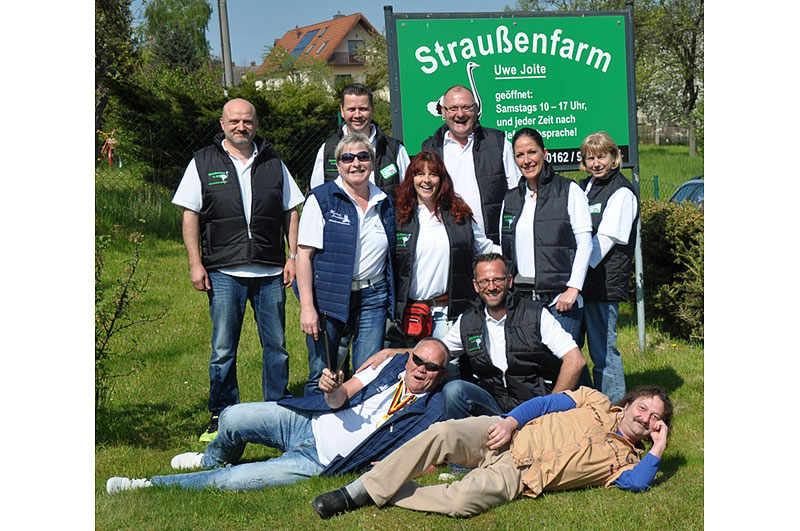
692, 190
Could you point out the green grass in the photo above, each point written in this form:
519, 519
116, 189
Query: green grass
161, 408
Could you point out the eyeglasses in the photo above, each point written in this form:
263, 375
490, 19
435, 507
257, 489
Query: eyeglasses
465, 108
484, 282
348, 158
429, 366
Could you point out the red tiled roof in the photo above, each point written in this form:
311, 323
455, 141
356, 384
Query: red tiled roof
330, 31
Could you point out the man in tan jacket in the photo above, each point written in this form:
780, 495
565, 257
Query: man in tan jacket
555, 442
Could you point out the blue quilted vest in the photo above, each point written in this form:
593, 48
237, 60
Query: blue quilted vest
333, 265
402, 426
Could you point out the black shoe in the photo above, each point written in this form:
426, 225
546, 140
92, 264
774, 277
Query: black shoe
333, 502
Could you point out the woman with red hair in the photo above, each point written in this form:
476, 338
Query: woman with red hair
437, 239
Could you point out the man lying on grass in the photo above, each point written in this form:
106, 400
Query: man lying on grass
555, 442
345, 429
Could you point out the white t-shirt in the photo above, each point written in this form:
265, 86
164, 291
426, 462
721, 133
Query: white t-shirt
432, 257
554, 337
615, 226
373, 243
581, 223
461, 167
190, 195
318, 173
339, 432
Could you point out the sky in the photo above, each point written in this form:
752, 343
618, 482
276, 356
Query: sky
254, 24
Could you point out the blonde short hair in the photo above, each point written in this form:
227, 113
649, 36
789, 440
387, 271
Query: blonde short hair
598, 143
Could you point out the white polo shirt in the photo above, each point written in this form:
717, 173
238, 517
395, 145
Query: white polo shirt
339, 432
318, 173
190, 195
554, 337
461, 167
373, 243
432, 257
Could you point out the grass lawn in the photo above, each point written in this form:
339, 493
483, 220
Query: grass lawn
160, 410
160, 407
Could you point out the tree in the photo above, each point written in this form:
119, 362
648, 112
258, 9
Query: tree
174, 32
115, 54
668, 36
373, 54
280, 64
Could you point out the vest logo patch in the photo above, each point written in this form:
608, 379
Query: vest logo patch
332, 165
389, 171
595, 208
474, 342
402, 239
339, 219
217, 177
508, 221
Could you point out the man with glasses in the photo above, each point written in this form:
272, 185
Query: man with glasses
509, 349
346, 428
479, 159
391, 158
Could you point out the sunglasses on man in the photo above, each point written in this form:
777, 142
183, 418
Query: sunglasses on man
348, 158
429, 366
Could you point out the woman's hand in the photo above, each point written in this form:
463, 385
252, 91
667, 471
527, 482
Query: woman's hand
309, 321
567, 300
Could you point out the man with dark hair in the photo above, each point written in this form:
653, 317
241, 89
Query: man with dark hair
240, 206
565, 441
343, 429
479, 159
391, 158
509, 349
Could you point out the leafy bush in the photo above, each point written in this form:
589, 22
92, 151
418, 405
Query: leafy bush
673, 264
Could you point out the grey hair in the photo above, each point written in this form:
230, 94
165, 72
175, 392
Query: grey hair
354, 138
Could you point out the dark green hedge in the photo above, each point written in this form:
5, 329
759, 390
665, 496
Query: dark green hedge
672, 259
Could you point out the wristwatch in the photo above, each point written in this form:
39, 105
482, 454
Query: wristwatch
292, 256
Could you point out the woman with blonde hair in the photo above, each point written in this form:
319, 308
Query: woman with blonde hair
614, 207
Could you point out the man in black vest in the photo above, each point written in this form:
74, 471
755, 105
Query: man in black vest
391, 158
509, 349
480, 160
239, 206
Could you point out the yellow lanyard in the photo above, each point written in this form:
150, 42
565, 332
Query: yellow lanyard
397, 403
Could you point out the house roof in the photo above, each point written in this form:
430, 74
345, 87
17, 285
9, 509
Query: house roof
321, 39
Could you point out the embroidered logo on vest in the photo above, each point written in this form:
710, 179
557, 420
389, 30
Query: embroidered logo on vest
402, 239
332, 165
389, 171
340, 219
474, 342
508, 221
595, 208
217, 177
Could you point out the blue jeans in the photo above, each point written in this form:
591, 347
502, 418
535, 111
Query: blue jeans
600, 322
367, 316
465, 399
227, 302
572, 322
264, 423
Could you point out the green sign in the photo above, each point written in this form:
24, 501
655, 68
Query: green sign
565, 76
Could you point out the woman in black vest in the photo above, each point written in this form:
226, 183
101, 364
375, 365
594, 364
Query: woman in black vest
614, 208
545, 232
436, 241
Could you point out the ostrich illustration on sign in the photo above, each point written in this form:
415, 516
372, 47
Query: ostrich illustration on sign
435, 107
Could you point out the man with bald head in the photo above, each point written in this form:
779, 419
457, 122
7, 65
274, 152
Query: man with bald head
239, 206
480, 160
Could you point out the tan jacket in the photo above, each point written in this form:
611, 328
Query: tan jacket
575, 448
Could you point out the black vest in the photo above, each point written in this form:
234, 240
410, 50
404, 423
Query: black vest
387, 174
487, 155
553, 240
460, 292
609, 280
223, 227
532, 368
